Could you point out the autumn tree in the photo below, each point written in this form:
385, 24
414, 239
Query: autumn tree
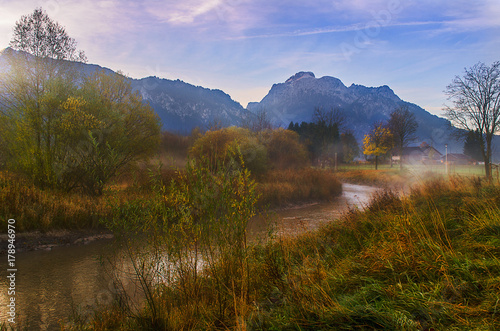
403, 125
107, 127
61, 129
378, 142
221, 147
35, 84
476, 105
285, 149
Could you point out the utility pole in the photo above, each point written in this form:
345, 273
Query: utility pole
446, 158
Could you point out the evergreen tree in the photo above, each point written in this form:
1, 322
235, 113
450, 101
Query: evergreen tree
473, 145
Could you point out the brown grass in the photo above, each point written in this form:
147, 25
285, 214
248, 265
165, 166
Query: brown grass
279, 188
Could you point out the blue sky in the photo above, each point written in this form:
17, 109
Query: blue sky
243, 47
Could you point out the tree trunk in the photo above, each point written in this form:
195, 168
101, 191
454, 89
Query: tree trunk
376, 162
487, 158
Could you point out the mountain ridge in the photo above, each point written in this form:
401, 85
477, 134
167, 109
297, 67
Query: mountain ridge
183, 106
296, 99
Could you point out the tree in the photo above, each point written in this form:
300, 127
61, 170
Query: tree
333, 117
108, 127
36, 83
472, 145
31, 93
284, 149
225, 146
322, 136
403, 126
350, 147
38, 35
258, 122
378, 142
63, 130
327, 130
476, 105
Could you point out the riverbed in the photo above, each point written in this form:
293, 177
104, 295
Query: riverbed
50, 285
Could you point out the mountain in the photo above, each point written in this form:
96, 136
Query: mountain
181, 106
296, 98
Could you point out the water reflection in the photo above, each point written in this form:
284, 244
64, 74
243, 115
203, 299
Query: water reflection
50, 284
294, 221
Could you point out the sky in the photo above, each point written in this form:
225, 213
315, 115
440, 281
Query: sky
243, 47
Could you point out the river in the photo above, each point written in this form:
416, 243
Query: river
50, 284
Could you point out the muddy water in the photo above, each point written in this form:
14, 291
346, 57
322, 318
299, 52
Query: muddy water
51, 284
294, 221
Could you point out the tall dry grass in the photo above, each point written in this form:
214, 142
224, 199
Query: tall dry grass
428, 260
381, 177
36, 209
280, 188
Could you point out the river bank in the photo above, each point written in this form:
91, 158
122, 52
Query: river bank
36, 240
423, 261
352, 194
76, 254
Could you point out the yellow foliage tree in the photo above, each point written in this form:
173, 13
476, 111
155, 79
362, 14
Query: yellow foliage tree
378, 142
218, 147
285, 149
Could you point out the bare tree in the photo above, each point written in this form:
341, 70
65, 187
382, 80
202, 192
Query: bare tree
330, 118
257, 122
40, 36
403, 126
476, 105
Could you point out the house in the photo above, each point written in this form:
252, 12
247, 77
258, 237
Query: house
423, 154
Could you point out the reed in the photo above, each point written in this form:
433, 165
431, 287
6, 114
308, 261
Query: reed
292, 186
36, 209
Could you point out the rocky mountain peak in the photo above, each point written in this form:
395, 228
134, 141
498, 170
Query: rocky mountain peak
300, 75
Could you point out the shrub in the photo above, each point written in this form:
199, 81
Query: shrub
284, 149
220, 147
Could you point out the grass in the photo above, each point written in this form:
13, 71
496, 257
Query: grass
45, 210
280, 188
380, 177
428, 260
388, 176
35, 209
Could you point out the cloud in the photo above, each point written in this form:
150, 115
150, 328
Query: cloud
180, 12
483, 16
